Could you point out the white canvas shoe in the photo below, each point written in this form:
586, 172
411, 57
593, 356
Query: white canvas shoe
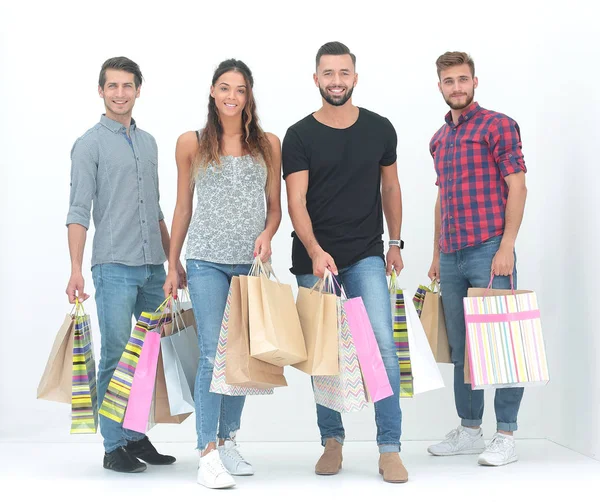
212, 472
500, 451
233, 460
459, 442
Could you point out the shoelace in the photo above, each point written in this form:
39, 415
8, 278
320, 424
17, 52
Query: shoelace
497, 443
234, 454
453, 435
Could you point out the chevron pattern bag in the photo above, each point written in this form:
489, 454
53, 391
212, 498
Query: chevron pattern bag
84, 398
218, 385
344, 392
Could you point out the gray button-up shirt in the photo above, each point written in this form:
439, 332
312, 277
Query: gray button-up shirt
119, 176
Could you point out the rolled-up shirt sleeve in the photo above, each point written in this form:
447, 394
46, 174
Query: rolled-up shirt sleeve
84, 169
506, 147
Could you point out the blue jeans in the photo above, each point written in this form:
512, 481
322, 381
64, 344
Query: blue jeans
367, 279
471, 268
122, 293
209, 284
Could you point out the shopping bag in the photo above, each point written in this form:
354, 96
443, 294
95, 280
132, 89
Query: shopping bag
425, 371
117, 394
180, 357
240, 368
160, 412
57, 379
318, 313
504, 344
401, 337
367, 349
432, 318
345, 391
218, 384
275, 331
84, 401
142, 386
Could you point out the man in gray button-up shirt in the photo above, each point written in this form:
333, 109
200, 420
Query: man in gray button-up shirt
114, 172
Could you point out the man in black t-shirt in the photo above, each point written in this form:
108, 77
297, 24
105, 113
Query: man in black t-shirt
339, 165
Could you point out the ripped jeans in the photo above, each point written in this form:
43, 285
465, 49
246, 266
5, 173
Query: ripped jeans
209, 284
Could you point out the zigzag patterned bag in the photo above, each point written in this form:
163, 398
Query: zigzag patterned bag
344, 392
218, 385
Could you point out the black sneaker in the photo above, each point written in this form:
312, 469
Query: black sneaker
144, 450
121, 461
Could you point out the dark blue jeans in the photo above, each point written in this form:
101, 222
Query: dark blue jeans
471, 268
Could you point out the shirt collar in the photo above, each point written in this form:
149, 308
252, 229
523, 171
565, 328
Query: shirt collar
115, 126
471, 110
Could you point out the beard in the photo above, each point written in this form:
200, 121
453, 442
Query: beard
455, 106
336, 100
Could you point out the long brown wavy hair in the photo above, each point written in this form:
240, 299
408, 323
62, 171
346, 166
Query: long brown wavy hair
254, 139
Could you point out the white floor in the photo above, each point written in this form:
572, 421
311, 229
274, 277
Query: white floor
74, 472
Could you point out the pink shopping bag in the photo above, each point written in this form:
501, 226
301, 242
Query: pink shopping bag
369, 356
142, 388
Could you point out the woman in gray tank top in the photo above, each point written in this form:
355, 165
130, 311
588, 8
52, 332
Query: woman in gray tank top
236, 170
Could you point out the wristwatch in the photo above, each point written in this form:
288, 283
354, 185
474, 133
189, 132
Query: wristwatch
399, 243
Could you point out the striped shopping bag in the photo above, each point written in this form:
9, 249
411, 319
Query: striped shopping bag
344, 392
505, 346
401, 338
84, 398
117, 394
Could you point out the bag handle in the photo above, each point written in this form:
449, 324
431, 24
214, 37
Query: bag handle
512, 285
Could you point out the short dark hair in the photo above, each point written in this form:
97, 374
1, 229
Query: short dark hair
121, 63
450, 59
334, 49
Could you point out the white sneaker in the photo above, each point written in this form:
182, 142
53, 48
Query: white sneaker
500, 451
459, 442
233, 460
212, 472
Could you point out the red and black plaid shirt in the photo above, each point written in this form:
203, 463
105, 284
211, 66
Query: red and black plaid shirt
471, 159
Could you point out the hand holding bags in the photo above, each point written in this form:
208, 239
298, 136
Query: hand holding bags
505, 346
275, 331
318, 312
70, 373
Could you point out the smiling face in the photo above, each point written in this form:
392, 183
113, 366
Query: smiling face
119, 94
336, 78
230, 94
457, 86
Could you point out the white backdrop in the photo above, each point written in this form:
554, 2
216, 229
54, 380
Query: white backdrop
536, 62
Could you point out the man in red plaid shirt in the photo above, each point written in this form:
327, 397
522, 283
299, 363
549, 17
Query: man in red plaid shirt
478, 212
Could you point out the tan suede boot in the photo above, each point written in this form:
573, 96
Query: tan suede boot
331, 461
392, 468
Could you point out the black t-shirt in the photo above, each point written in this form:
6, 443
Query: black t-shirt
344, 185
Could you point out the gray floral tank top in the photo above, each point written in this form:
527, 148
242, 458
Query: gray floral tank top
230, 212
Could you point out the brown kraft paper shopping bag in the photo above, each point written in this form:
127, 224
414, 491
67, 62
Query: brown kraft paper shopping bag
317, 311
275, 331
161, 413
240, 368
434, 324
57, 379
